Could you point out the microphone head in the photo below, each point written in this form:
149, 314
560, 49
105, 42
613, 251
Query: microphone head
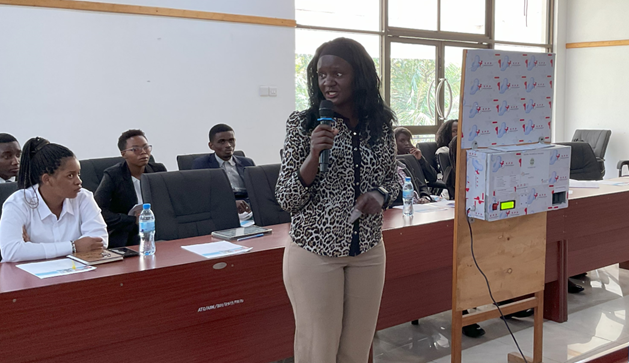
326, 109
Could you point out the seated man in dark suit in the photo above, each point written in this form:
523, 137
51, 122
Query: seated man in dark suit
10, 153
404, 146
120, 190
223, 142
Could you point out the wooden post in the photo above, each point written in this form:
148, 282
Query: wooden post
511, 253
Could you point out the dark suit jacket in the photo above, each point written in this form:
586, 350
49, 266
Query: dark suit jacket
210, 162
115, 197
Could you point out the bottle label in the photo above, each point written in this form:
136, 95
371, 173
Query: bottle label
407, 194
148, 226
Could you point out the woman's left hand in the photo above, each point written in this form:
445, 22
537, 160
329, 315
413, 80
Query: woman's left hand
370, 203
424, 200
25, 236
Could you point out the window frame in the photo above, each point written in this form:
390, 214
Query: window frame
441, 39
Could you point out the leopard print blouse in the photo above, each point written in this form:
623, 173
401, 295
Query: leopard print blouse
320, 213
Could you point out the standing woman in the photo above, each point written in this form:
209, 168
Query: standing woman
334, 267
50, 215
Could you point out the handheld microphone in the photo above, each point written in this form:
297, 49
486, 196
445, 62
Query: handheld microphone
326, 111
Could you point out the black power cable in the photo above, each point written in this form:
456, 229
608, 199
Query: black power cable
489, 288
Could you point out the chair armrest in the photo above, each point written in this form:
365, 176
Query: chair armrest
620, 164
442, 185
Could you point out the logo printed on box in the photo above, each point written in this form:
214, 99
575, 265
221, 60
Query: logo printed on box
504, 85
530, 84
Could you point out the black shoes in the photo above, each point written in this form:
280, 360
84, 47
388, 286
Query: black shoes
520, 314
473, 331
574, 288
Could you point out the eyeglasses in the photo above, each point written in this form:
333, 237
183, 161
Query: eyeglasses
138, 149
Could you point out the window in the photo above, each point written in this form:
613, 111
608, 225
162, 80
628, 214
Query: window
345, 14
422, 42
516, 22
413, 14
412, 81
463, 16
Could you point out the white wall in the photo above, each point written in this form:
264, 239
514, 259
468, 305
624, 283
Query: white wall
559, 48
81, 78
596, 79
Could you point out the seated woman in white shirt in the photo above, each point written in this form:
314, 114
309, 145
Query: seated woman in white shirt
50, 215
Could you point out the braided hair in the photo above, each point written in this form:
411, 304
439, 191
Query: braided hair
40, 157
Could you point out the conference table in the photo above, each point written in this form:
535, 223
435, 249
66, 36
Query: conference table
180, 307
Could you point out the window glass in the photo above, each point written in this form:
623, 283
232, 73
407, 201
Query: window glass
518, 48
307, 42
413, 14
463, 16
516, 22
453, 64
413, 83
344, 14
423, 138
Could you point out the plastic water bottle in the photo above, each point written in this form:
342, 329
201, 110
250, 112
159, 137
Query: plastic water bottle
147, 231
407, 197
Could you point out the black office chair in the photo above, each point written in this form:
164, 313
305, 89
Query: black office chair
92, 170
6, 189
598, 140
184, 162
428, 149
619, 166
190, 203
444, 161
260, 183
583, 163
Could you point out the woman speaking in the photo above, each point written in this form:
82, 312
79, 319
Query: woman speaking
334, 266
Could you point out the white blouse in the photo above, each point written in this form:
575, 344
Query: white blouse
49, 237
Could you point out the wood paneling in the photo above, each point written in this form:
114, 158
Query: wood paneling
605, 43
151, 10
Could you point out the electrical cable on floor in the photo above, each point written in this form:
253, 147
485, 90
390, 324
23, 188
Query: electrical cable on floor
467, 218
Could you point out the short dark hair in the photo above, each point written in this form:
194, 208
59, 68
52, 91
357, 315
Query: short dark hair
444, 134
402, 131
40, 157
122, 140
219, 128
6, 138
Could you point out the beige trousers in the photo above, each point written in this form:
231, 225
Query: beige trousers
335, 302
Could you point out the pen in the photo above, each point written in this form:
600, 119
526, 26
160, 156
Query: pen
73, 266
249, 237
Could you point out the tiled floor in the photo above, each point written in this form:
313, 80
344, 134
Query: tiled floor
596, 322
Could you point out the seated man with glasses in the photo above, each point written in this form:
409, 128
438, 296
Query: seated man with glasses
119, 190
223, 142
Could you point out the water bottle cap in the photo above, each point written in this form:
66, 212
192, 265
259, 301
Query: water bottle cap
146, 206
407, 178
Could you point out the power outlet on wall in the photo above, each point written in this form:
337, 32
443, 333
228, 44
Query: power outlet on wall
273, 91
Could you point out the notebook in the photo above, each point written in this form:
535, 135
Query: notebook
240, 232
96, 257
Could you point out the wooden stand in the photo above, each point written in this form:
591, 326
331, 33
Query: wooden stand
511, 253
